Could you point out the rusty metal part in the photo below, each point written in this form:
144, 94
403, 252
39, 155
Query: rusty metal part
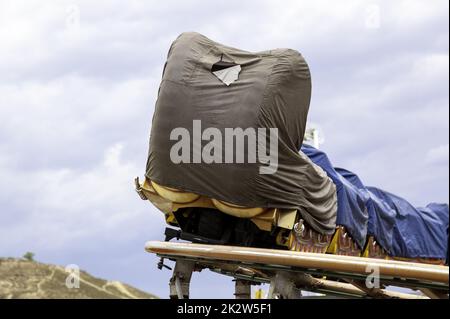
242, 289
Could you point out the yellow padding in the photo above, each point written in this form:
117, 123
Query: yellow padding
174, 195
237, 211
183, 198
333, 246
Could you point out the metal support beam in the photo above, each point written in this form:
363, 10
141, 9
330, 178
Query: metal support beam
258, 265
242, 289
434, 294
282, 286
371, 292
181, 278
417, 272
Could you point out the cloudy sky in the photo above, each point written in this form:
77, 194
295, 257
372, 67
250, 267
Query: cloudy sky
78, 81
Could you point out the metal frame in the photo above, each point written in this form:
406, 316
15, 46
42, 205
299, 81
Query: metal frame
286, 281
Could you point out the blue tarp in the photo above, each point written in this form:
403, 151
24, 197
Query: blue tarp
417, 232
352, 211
401, 229
381, 216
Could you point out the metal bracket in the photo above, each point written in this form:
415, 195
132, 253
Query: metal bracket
161, 264
282, 286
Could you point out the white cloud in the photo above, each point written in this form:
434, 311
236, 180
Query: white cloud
438, 155
70, 205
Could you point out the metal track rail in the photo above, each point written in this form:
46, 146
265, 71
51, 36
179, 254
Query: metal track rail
353, 270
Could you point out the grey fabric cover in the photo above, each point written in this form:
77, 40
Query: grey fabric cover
273, 91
